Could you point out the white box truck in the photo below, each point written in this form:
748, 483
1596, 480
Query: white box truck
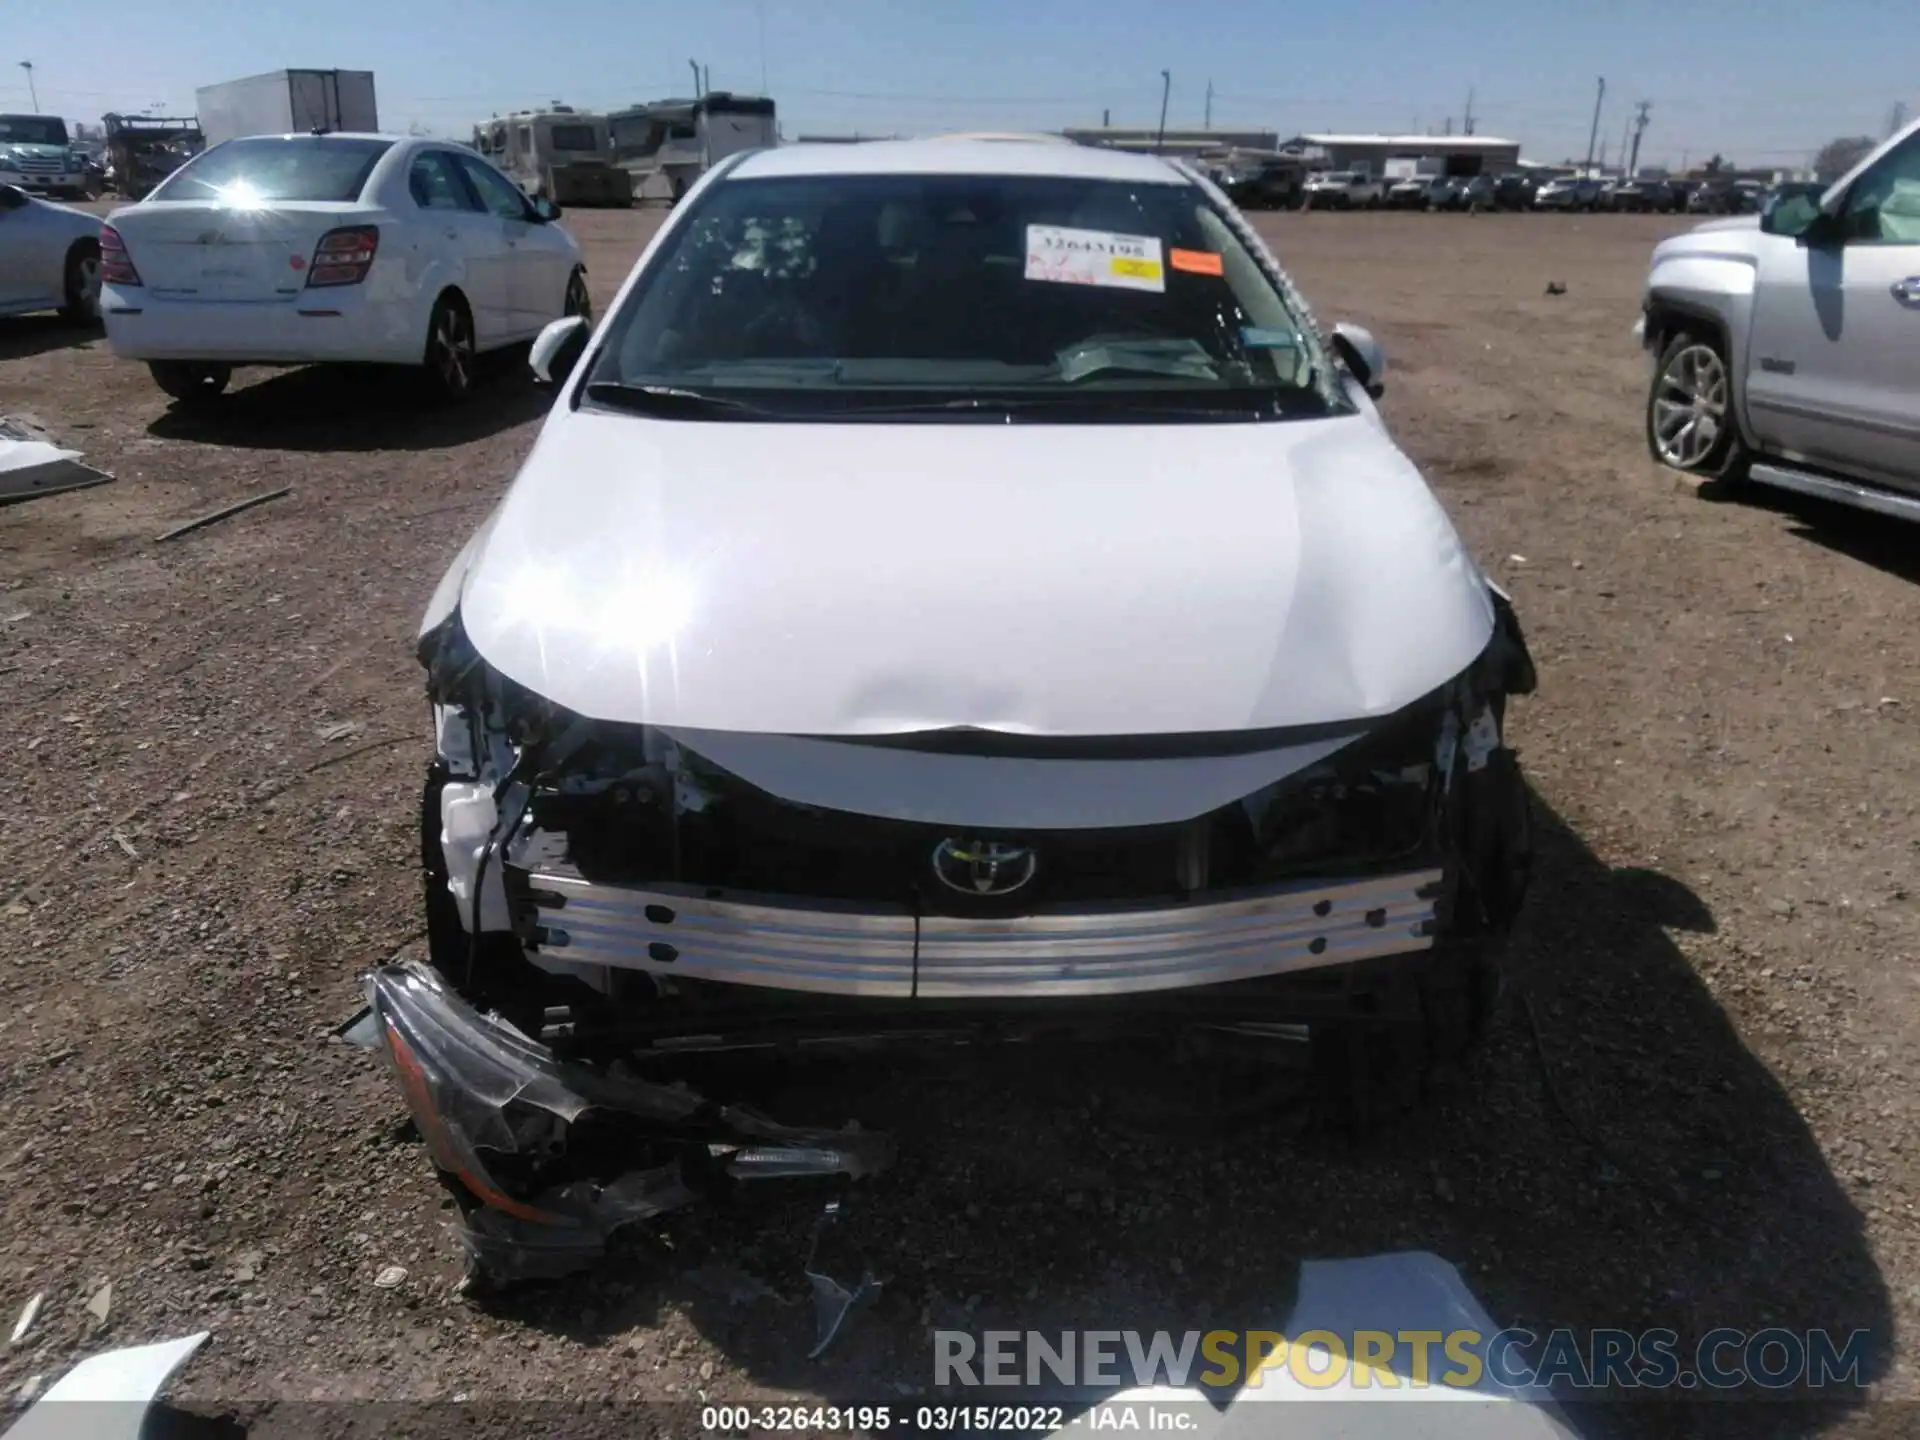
288, 102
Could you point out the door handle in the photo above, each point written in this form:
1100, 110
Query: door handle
1907, 291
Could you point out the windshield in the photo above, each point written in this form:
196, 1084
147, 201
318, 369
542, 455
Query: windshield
818, 295
270, 168
32, 130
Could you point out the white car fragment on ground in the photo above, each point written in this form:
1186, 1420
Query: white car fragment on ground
1394, 1294
32, 465
106, 1396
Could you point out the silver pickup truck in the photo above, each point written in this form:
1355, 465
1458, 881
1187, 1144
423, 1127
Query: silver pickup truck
1787, 344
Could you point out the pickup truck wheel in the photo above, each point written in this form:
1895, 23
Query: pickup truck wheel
1690, 424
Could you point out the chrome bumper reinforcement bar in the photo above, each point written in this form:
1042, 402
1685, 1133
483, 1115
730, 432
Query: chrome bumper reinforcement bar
786, 943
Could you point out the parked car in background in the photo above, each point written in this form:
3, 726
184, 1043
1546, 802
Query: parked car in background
1344, 190
1572, 192
1443, 192
49, 257
1756, 378
1746, 197
1476, 192
1706, 198
695, 788
1408, 193
1268, 185
307, 249
1513, 191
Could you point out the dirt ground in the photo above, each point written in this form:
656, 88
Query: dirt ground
1718, 965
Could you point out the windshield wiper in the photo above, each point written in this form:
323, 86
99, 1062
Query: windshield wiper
1107, 406
668, 400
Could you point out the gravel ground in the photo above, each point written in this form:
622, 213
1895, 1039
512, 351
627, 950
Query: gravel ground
216, 746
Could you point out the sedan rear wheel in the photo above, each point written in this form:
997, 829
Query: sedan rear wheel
1690, 423
191, 383
451, 354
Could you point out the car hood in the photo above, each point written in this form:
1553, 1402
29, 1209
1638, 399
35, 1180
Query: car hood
823, 579
25, 151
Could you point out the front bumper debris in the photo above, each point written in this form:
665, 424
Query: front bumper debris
502, 1116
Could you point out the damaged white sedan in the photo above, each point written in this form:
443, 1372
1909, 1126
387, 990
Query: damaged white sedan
958, 590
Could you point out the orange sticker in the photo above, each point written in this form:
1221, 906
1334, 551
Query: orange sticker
1195, 262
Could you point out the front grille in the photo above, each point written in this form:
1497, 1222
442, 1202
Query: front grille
39, 165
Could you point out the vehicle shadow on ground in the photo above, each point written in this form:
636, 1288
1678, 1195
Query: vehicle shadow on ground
24, 336
344, 409
1876, 540
1615, 1158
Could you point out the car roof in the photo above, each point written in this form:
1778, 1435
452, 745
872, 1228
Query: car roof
957, 157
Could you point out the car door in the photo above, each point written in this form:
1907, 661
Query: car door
525, 259
1833, 365
32, 251
454, 222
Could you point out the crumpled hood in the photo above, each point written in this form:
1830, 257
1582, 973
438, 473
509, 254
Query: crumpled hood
1053, 580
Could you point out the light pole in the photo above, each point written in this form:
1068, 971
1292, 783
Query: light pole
1166, 89
697, 92
1594, 133
32, 89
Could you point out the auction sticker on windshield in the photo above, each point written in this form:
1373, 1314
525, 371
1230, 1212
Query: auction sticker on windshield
1094, 257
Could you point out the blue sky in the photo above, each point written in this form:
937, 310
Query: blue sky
1761, 81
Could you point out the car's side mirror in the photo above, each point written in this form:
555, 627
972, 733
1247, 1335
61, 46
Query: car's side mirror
557, 349
1361, 354
544, 210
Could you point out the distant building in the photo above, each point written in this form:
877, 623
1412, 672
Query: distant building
1174, 142
1404, 155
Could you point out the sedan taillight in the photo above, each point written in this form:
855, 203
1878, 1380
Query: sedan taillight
343, 257
116, 266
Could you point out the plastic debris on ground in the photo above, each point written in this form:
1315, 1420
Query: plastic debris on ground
833, 1301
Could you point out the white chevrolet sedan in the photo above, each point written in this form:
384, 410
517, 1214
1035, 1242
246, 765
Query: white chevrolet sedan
49, 257
310, 249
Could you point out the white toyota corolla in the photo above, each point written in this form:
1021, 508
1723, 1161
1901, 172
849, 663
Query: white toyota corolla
305, 249
959, 592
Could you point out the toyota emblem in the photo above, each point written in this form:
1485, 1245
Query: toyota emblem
984, 867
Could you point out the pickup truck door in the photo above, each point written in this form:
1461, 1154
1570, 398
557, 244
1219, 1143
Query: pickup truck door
1833, 364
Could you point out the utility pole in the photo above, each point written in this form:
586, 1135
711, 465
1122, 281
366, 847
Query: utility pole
1894, 121
1106, 119
1467, 125
1166, 89
696, 78
1594, 133
1639, 129
32, 89
1209, 123
1449, 124
1625, 131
